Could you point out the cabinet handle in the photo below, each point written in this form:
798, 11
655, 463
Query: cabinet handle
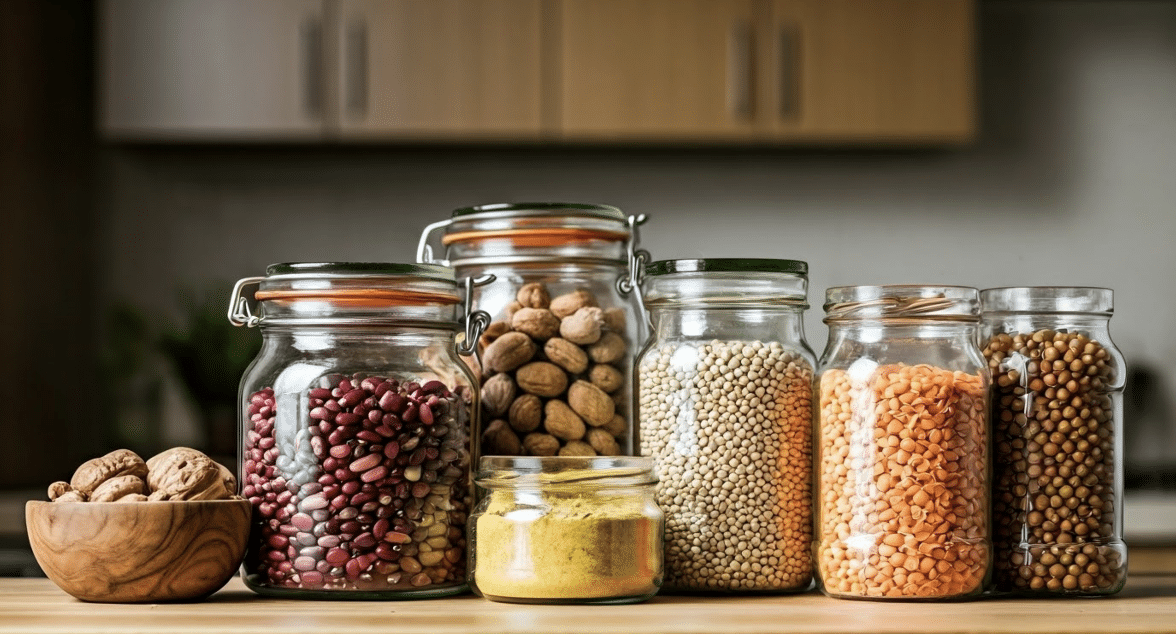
790, 71
312, 66
357, 68
740, 58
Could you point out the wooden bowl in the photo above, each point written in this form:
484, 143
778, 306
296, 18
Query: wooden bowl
139, 552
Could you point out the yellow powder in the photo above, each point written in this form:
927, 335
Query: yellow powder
592, 547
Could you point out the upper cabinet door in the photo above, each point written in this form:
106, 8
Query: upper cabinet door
871, 71
211, 69
439, 69
656, 69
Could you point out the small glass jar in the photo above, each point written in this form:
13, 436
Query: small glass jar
1057, 433
557, 360
902, 448
354, 424
725, 394
566, 530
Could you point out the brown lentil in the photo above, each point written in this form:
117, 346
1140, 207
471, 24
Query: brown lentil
1053, 470
902, 482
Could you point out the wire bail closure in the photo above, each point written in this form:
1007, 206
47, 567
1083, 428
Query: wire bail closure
632, 279
474, 321
239, 312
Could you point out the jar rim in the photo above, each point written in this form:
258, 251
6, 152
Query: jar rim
727, 265
909, 302
511, 210
573, 472
1093, 300
305, 270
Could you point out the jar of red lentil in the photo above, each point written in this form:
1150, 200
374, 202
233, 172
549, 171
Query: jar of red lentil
556, 362
1057, 438
901, 445
354, 422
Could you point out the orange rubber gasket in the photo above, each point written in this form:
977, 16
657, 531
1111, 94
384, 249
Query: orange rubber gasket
361, 297
554, 236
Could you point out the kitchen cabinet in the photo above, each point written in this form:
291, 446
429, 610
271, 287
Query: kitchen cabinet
201, 69
838, 71
439, 68
629, 71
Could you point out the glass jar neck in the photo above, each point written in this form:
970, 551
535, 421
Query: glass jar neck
774, 323
317, 313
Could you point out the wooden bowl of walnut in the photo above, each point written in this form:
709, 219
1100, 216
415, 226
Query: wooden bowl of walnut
142, 552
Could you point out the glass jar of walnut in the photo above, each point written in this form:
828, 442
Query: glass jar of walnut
1057, 413
556, 363
901, 449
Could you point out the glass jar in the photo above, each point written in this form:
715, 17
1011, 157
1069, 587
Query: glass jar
725, 394
1057, 431
355, 420
902, 450
556, 362
566, 530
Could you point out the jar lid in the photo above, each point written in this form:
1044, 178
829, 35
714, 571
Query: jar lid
558, 472
914, 302
727, 282
1048, 300
349, 293
751, 265
537, 224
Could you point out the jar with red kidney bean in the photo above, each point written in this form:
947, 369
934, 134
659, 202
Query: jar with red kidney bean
355, 423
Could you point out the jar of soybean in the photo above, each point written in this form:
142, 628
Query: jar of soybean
1057, 438
725, 393
902, 445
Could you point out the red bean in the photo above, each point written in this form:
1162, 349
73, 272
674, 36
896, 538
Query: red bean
364, 463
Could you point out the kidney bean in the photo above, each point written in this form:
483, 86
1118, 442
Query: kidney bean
374, 474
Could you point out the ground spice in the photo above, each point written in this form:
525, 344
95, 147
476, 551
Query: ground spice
568, 547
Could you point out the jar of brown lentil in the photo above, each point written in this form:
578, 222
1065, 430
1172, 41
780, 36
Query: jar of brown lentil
901, 445
1057, 432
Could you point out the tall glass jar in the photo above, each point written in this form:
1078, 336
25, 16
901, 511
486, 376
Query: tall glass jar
566, 530
902, 449
725, 389
1057, 433
355, 420
556, 362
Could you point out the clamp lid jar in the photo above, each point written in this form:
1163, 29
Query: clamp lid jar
566, 530
556, 362
354, 423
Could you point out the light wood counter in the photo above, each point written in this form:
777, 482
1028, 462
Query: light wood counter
1147, 604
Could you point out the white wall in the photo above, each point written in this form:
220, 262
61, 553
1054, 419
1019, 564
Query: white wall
1073, 183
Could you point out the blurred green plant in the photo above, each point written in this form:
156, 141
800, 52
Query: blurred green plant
210, 354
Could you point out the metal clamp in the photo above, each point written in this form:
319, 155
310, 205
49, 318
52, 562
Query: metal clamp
239, 311
474, 321
632, 279
425, 250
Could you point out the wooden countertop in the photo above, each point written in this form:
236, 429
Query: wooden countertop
1147, 604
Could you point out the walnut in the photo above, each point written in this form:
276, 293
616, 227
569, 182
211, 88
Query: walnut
577, 448
609, 349
495, 330
133, 497
538, 323
565, 305
539, 444
591, 403
602, 441
116, 463
583, 326
57, 489
560, 421
606, 377
542, 379
118, 488
566, 355
614, 319
511, 308
498, 439
526, 413
186, 474
71, 496
533, 295
508, 352
617, 426
498, 392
